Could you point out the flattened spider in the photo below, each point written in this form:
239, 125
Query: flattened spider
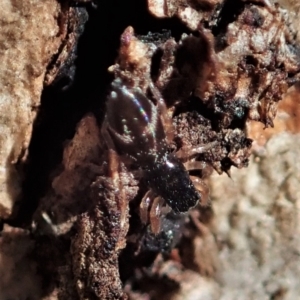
138, 129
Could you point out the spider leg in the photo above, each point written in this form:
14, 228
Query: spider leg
145, 205
106, 136
195, 165
202, 187
206, 168
113, 159
155, 213
188, 151
114, 170
163, 111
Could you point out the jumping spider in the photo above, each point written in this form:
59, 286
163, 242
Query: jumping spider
142, 131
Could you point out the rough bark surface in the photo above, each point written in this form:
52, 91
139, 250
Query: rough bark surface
76, 232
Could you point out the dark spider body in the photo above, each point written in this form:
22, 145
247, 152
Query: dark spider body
136, 130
